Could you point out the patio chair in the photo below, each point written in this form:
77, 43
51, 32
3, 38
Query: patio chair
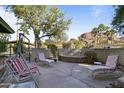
20, 70
41, 58
104, 71
110, 65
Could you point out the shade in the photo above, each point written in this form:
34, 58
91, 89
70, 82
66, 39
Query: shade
4, 27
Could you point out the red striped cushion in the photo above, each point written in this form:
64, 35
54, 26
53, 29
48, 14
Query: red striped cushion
19, 65
16, 65
12, 66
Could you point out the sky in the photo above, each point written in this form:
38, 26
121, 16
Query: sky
84, 18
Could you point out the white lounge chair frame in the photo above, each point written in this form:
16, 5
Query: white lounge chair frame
111, 64
41, 58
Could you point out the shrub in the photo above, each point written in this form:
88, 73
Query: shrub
90, 56
3, 39
3, 46
54, 50
66, 45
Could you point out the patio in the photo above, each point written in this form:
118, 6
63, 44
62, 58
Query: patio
63, 75
68, 75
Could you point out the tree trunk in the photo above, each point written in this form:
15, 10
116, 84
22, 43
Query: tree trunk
37, 41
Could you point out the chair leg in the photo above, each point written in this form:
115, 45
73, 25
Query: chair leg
4, 76
38, 72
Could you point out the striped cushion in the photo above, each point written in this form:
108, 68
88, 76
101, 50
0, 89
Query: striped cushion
19, 65
21, 68
12, 65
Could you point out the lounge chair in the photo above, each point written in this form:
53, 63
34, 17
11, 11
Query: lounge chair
20, 70
103, 71
41, 58
110, 65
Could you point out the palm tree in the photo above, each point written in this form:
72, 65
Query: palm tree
110, 33
95, 33
98, 33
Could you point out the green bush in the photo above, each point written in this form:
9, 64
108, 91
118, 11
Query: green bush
90, 56
54, 50
66, 45
3, 39
2, 46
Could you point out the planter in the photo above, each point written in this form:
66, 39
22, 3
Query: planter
72, 59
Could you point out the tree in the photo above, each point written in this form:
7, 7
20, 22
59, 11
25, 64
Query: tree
118, 19
43, 20
110, 33
74, 44
87, 39
43, 45
98, 33
98, 37
66, 45
78, 44
3, 39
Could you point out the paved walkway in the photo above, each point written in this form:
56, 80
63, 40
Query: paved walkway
68, 75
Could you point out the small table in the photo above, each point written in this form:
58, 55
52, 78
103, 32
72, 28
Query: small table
97, 63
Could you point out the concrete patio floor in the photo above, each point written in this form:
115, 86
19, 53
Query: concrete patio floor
68, 75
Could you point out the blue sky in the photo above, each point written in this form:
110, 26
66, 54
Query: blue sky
84, 18
87, 17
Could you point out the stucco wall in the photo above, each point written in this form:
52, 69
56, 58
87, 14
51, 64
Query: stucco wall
35, 51
101, 53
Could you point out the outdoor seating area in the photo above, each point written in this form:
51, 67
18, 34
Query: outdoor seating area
48, 58
68, 72
63, 74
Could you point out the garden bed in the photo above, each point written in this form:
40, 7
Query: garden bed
72, 59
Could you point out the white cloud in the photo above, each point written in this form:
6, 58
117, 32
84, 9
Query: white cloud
97, 11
